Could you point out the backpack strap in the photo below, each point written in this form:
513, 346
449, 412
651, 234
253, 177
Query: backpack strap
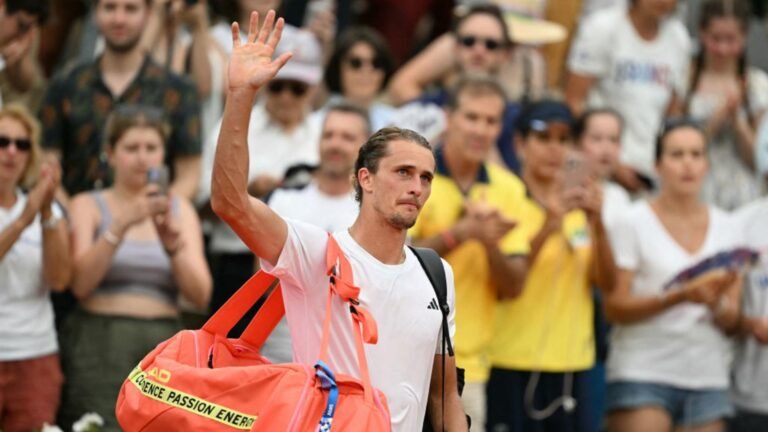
433, 266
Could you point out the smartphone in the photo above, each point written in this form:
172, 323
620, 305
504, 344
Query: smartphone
575, 171
161, 177
190, 2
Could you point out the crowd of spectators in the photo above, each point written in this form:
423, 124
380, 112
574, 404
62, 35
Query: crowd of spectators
583, 160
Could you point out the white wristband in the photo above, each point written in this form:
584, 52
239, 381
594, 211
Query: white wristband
111, 238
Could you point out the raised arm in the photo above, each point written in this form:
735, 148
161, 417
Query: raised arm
250, 67
433, 63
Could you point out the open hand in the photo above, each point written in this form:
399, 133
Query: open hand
168, 230
37, 198
495, 227
251, 65
708, 288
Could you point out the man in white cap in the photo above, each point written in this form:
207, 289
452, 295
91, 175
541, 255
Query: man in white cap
288, 134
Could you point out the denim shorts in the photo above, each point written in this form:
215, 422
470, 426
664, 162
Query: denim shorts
685, 407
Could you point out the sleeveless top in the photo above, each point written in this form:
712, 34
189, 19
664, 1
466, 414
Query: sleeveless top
138, 266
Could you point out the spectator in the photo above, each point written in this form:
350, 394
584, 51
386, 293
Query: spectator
136, 248
77, 103
173, 31
598, 136
359, 69
730, 98
327, 201
634, 61
22, 81
598, 139
177, 36
393, 172
669, 356
479, 44
750, 368
471, 220
282, 133
543, 344
20, 22
34, 257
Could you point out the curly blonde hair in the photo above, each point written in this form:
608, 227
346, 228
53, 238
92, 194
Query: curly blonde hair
22, 115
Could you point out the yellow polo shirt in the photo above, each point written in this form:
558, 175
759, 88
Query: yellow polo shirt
550, 326
475, 293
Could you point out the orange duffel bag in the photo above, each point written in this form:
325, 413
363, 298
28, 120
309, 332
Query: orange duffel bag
201, 381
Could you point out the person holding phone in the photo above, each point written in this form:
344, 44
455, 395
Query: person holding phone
543, 344
669, 356
135, 249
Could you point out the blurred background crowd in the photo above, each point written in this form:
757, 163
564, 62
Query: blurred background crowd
588, 151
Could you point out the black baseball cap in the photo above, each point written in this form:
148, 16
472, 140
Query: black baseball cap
537, 116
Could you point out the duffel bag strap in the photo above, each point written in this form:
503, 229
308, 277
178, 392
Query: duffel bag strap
266, 319
241, 301
341, 282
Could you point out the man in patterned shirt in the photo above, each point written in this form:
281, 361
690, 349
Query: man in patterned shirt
79, 100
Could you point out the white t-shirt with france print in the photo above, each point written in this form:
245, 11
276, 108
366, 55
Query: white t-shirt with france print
634, 76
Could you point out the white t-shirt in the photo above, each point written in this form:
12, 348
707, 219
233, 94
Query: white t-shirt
616, 201
681, 346
398, 297
761, 148
634, 76
750, 368
307, 204
271, 152
26, 314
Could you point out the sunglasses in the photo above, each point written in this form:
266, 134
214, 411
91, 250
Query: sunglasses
295, 87
21, 144
490, 44
672, 123
357, 63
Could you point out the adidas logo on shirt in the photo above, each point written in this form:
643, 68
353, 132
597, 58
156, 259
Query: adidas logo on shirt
433, 305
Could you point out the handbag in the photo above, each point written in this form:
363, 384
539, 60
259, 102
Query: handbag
200, 380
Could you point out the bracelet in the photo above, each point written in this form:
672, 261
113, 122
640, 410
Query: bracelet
51, 223
449, 239
111, 238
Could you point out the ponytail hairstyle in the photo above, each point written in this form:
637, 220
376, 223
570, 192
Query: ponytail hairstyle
740, 11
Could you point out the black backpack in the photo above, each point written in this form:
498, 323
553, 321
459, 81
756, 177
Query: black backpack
433, 266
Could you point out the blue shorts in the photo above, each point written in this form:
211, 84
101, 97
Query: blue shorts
685, 407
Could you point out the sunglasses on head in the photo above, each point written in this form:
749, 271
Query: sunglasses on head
672, 123
295, 87
357, 63
490, 44
20, 143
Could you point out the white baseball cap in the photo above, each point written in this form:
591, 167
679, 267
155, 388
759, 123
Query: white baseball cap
306, 65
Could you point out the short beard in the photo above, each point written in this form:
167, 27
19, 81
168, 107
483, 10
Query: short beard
399, 221
122, 48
